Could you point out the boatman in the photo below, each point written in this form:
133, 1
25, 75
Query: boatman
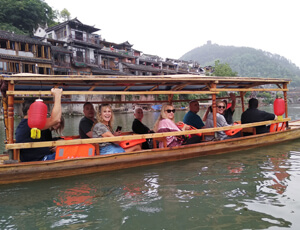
23, 131
87, 122
191, 117
252, 114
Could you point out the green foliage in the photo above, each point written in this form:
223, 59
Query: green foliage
267, 97
65, 15
248, 62
223, 70
24, 16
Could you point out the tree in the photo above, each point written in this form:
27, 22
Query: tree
65, 15
24, 16
223, 70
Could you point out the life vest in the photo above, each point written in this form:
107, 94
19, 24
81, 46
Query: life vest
74, 151
277, 127
130, 143
232, 132
281, 126
191, 128
273, 128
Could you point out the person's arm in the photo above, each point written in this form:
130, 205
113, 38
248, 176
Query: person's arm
206, 114
56, 111
89, 134
233, 101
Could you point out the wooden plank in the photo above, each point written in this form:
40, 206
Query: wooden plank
108, 92
132, 137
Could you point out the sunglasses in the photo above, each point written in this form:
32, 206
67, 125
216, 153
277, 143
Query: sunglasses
221, 107
170, 110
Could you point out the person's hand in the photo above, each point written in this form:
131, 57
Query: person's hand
186, 127
56, 91
276, 118
232, 96
117, 133
180, 123
53, 149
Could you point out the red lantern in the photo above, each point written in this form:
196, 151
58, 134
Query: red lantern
279, 107
37, 117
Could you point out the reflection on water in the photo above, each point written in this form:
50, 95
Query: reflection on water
254, 189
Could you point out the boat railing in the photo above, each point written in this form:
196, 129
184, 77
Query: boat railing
136, 136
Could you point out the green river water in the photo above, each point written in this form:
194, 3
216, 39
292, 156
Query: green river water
253, 189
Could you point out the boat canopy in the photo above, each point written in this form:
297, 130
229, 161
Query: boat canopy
164, 84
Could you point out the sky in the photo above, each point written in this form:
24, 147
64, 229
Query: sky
171, 28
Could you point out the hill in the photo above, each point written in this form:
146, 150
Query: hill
248, 62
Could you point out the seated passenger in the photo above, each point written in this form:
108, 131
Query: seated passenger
228, 113
87, 122
104, 129
166, 123
221, 122
23, 131
191, 117
139, 128
252, 114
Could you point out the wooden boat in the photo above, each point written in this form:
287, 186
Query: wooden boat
39, 85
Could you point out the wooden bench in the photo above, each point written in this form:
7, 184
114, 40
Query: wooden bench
251, 130
160, 139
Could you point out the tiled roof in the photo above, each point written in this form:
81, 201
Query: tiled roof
142, 67
19, 58
107, 72
60, 49
21, 38
74, 23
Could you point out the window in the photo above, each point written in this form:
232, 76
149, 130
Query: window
78, 35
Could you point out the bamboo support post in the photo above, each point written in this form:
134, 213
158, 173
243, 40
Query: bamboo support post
214, 105
5, 113
10, 119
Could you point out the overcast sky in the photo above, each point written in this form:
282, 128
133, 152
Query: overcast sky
170, 28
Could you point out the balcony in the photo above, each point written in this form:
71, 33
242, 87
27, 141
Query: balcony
90, 61
113, 50
92, 39
62, 64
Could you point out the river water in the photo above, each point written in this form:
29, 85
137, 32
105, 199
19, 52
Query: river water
253, 189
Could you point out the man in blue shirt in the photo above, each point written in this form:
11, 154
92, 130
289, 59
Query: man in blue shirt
191, 117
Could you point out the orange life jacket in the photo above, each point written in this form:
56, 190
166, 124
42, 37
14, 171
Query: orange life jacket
191, 128
232, 132
74, 151
130, 143
277, 127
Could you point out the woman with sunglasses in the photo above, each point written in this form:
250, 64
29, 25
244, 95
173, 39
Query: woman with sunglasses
103, 128
166, 123
221, 122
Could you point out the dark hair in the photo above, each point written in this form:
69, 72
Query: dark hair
87, 103
26, 105
253, 103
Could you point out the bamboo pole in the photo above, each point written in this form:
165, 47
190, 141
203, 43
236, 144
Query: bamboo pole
248, 90
5, 113
42, 93
10, 119
133, 137
214, 106
242, 101
285, 100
